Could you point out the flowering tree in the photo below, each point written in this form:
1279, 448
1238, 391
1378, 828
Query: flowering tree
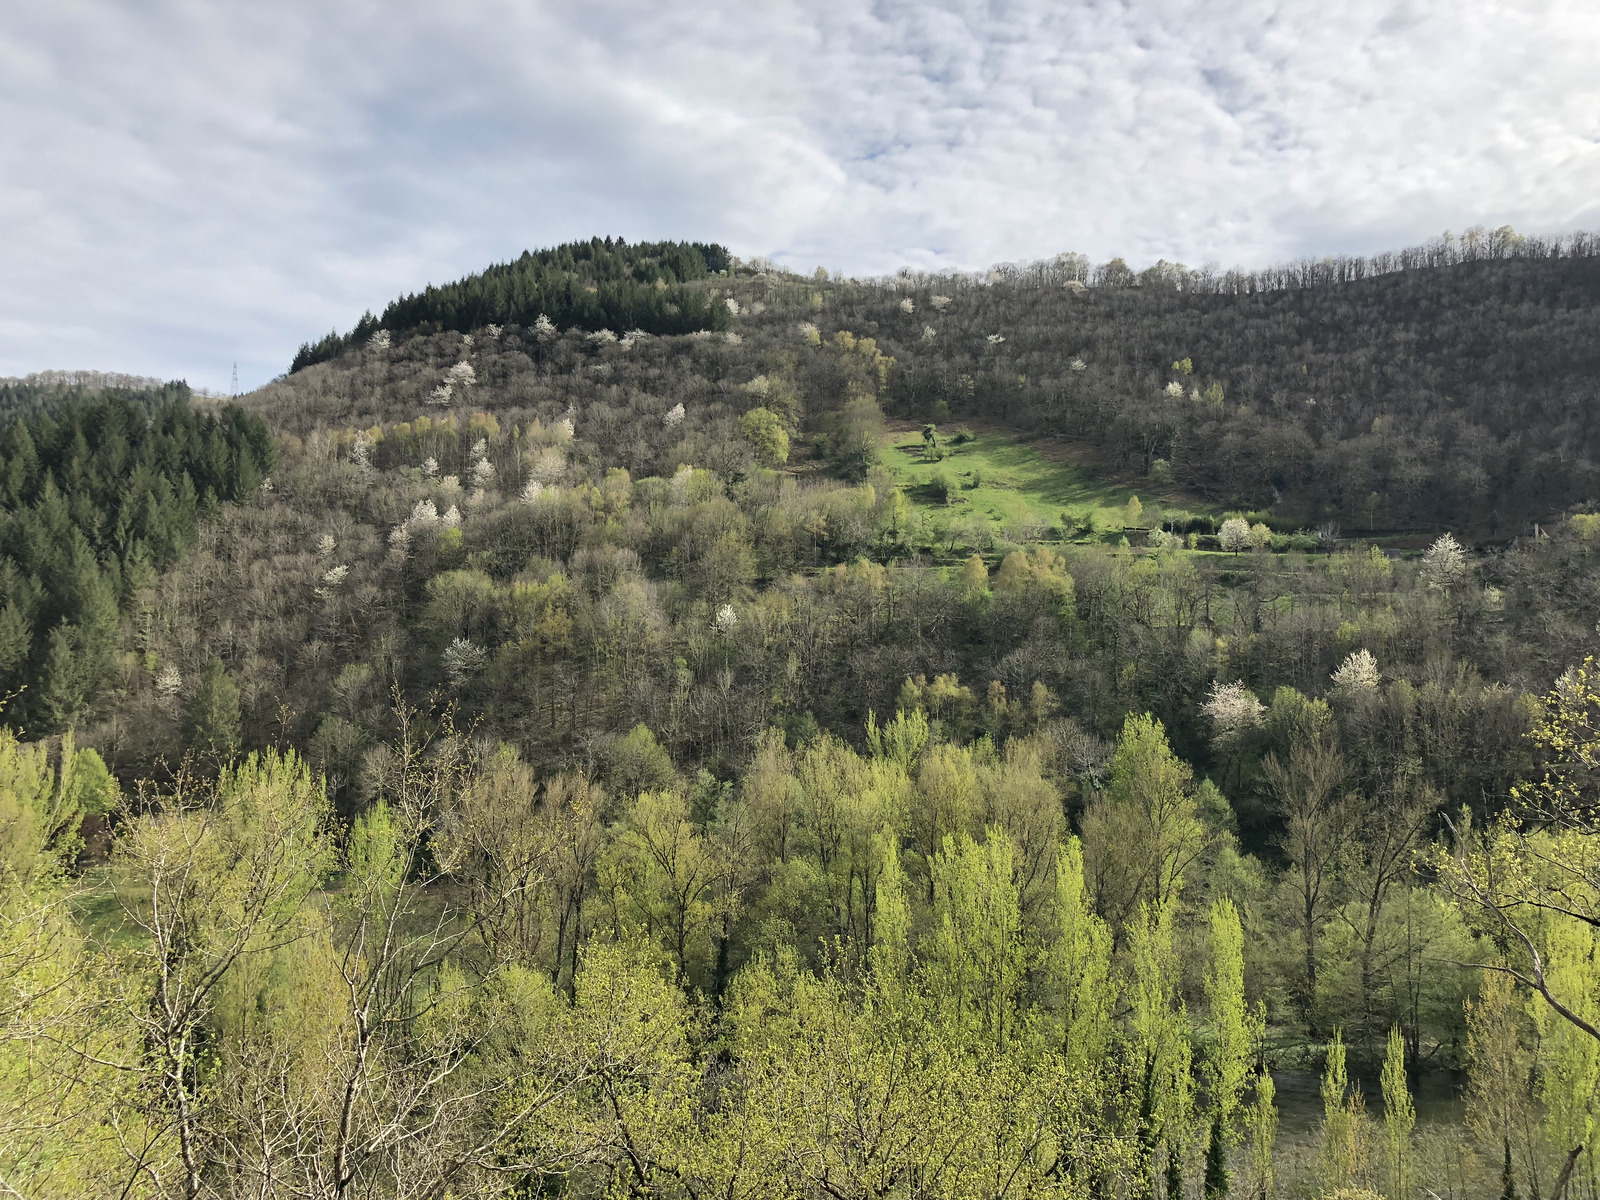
1357, 676
674, 416
907, 307
461, 375
168, 682
1233, 711
1234, 535
1444, 564
463, 659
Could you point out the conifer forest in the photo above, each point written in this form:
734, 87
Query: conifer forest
639, 723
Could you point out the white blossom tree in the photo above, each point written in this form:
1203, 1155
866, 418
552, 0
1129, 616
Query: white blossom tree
939, 303
1233, 711
1234, 535
1357, 677
168, 681
543, 328
1444, 564
463, 659
907, 306
674, 416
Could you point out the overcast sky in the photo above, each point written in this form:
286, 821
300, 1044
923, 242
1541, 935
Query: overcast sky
185, 185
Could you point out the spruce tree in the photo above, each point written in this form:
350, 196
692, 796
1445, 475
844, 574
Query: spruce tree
212, 728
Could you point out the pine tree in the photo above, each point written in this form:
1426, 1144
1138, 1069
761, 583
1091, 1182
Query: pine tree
212, 728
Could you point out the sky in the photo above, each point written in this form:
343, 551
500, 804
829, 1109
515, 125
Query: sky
185, 185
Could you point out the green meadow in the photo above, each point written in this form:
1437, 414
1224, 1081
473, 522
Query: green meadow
1012, 483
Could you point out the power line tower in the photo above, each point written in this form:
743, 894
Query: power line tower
235, 388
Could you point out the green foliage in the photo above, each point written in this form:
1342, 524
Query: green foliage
211, 725
1142, 833
42, 806
599, 284
764, 430
1399, 1117
95, 497
639, 763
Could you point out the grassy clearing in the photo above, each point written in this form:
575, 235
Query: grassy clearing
1011, 483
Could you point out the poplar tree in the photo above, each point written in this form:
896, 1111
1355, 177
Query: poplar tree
1399, 1117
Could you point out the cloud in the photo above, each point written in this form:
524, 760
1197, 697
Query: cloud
186, 185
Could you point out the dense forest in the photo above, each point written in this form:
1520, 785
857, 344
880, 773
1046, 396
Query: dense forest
594, 285
520, 752
99, 496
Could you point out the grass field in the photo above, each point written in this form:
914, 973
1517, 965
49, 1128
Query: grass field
1013, 483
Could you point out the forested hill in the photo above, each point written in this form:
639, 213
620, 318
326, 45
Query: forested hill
1450, 386
50, 390
593, 285
933, 737
98, 496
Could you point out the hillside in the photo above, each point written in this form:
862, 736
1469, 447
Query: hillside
1458, 396
555, 757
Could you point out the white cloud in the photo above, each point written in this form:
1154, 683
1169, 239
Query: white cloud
186, 185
